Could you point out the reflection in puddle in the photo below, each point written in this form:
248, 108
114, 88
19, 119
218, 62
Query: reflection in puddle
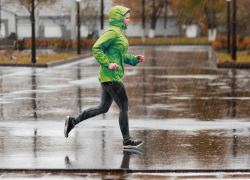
127, 155
33, 95
189, 113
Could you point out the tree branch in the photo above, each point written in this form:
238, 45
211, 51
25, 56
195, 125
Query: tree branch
159, 7
207, 17
25, 5
38, 2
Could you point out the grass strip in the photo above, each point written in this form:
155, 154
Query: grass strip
25, 57
241, 57
170, 41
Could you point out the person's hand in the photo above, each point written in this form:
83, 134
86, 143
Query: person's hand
140, 58
113, 66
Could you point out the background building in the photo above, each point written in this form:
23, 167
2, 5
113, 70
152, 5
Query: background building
8, 23
56, 22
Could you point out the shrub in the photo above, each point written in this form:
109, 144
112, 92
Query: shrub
221, 43
58, 43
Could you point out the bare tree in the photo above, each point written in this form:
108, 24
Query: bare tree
154, 9
203, 12
28, 3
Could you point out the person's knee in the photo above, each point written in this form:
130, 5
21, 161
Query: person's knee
105, 110
124, 107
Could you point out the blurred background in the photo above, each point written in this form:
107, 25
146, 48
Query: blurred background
57, 19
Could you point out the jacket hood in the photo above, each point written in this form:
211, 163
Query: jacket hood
116, 16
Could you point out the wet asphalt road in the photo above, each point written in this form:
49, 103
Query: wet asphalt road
190, 114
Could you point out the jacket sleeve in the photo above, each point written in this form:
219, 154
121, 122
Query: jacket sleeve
131, 60
107, 39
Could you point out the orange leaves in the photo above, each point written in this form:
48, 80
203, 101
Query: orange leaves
221, 43
59, 43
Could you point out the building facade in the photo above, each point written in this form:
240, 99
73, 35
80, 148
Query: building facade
56, 22
8, 23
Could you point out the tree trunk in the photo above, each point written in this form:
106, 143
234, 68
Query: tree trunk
153, 21
210, 18
33, 32
212, 34
152, 29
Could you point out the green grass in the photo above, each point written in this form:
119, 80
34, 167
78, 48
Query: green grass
242, 57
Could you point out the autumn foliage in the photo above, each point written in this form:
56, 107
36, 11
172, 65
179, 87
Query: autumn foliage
221, 43
58, 43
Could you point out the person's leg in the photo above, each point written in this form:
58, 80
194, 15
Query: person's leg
103, 107
106, 101
119, 94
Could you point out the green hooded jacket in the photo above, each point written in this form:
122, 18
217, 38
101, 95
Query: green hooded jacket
112, 46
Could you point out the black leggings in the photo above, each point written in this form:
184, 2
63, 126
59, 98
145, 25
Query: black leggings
110, 91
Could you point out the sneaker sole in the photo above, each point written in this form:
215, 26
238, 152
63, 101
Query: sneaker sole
66, 126
132, 147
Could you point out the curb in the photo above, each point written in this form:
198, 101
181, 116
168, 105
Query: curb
50, 64
127, 170
169, 44
234, 65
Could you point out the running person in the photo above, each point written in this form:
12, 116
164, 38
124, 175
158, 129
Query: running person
110, 52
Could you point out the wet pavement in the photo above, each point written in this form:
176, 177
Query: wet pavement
125, 176
190, 114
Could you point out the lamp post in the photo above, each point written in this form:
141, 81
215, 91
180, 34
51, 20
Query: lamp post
143, 21
0, 18
228, 27
32, 17
234, 32
102, 14
78, 28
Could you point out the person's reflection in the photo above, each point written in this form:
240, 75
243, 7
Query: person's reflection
103, 146
127, 154
33, 95
67, 161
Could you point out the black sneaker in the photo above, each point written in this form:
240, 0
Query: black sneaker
132, 143
69, 125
